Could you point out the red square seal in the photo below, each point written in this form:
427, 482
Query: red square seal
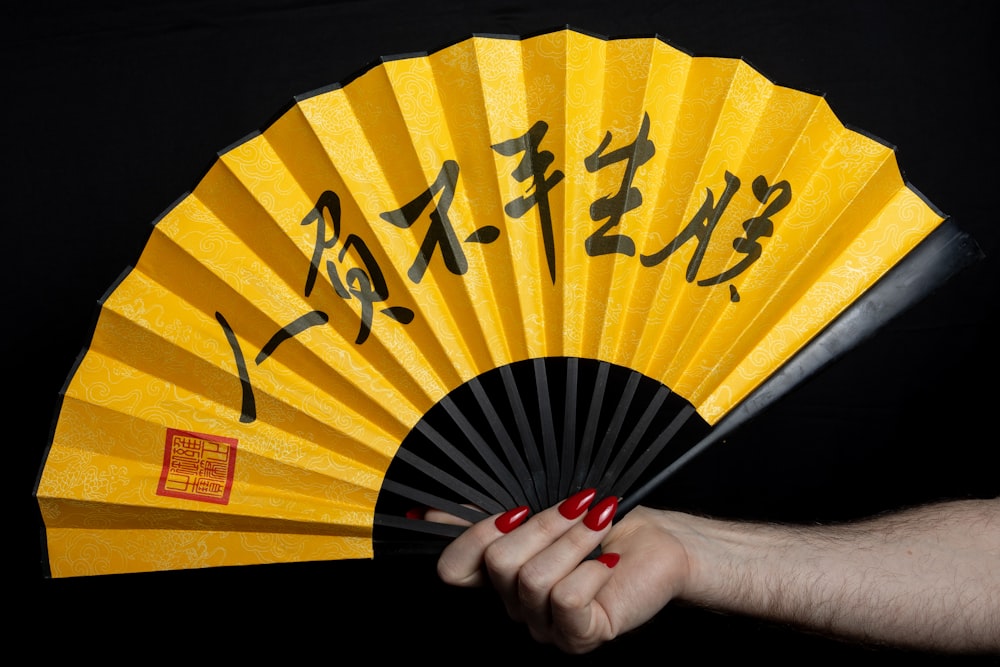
197, 467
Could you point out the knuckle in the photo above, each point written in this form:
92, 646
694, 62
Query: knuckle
551, 524
532, 582
583, 540
454, 575
447, 572
500, 559
566, 599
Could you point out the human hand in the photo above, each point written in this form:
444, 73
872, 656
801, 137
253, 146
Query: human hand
540, 568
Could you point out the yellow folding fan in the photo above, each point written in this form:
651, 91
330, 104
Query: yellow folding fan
489, 275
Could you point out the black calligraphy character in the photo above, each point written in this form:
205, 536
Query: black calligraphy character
367, 284
636, 154
441, 232
329, 202
533, 165
757, 227
701, 227
248, 410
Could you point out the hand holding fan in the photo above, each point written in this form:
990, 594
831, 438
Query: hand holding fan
488, 275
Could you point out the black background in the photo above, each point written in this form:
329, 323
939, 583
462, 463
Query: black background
114, 110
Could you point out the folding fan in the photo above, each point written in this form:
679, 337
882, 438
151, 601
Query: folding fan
485, 276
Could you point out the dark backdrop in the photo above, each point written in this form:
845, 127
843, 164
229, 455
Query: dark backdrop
113, 111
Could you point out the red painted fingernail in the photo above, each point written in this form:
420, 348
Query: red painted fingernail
609, 559
511, 519
599, 517
577, 504
416, 513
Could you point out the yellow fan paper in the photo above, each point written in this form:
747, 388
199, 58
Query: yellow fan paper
583, 206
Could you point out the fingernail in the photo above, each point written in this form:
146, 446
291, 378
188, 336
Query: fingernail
511, 519
416, 513
609, 559
599, 517
577, 504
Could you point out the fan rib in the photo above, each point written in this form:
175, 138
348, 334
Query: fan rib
506, 442
475, 438
661, 441
486, 482
528, 443
470, 494
610, 440
628, 447
548, 428
590, 430
569, 426
431, 500
420, 525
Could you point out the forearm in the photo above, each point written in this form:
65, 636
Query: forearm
927, 578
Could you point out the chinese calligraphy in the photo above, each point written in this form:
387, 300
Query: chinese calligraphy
366, 282
533, 165
441, 232
626, 199
705, 220
354, 274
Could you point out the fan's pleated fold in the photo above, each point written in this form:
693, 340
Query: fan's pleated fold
432, 225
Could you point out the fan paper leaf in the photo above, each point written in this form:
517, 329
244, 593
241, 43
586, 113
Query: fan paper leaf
553, 261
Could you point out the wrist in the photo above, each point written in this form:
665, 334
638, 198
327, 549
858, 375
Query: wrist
696, 537
723, 557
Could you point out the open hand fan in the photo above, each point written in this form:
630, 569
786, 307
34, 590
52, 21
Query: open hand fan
489, 275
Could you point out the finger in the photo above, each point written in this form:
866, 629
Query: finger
540, 576
579, 622
438, 516
460, 564
505, 557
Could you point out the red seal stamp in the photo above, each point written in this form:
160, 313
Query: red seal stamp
197, 466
